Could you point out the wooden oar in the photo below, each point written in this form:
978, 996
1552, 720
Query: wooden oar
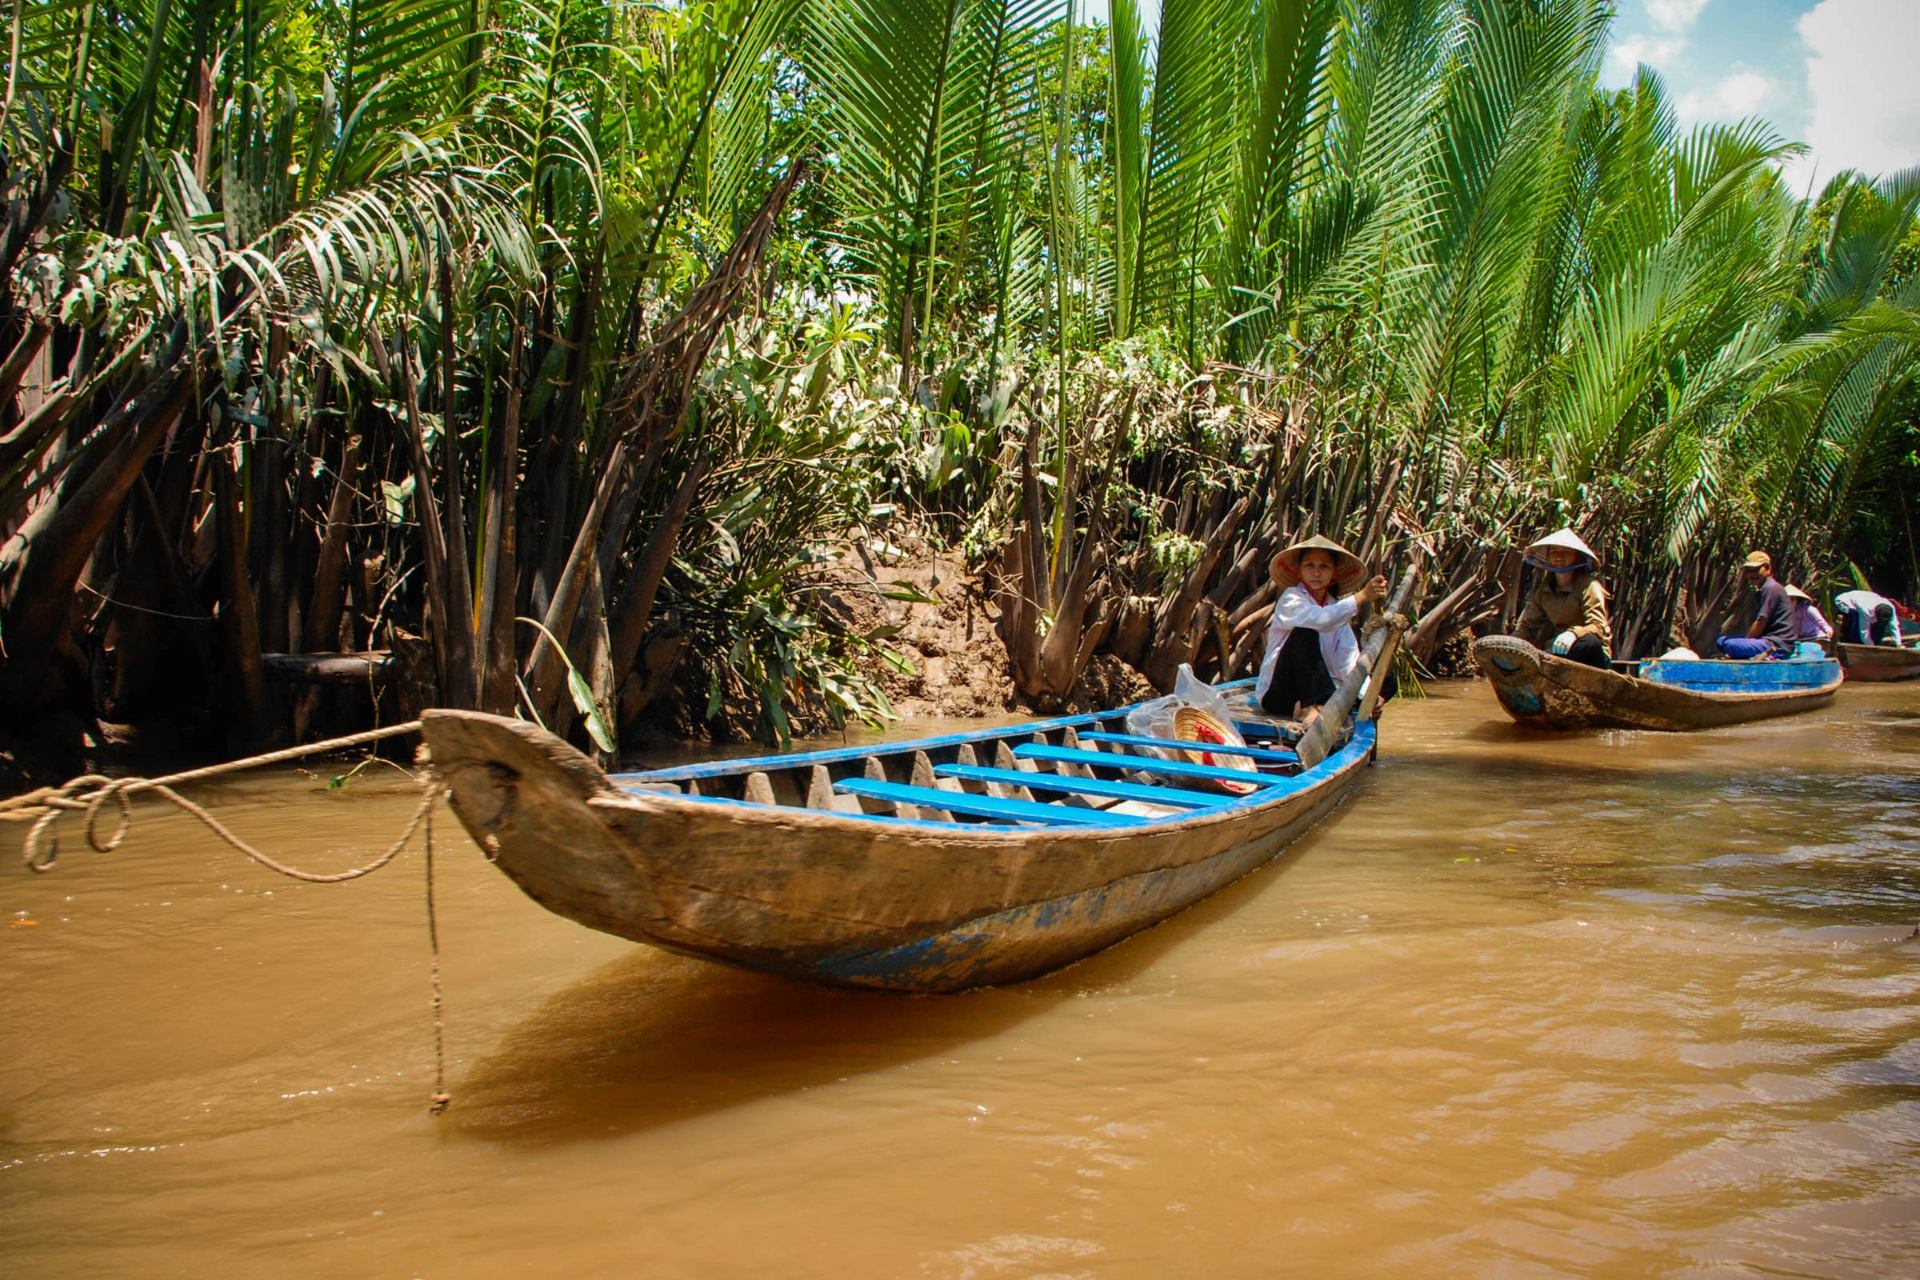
1318, 741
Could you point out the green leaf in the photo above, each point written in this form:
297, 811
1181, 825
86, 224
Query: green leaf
397, 496
589, 710
581, 692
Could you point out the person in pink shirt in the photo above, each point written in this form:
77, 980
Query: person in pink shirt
1808, 622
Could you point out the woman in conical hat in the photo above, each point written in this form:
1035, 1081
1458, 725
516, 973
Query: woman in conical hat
1567, 612
1311, 646
1808, 622
1347, 569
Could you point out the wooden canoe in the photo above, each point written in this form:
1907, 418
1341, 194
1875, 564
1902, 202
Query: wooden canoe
933, 865
1550, 692
1878, 661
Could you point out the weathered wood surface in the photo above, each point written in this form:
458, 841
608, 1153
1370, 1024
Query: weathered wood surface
1878, 662
848, 899
1545, 691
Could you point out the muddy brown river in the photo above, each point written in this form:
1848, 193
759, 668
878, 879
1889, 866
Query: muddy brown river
1606, 1005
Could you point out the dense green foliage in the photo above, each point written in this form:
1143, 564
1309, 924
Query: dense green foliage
333, 324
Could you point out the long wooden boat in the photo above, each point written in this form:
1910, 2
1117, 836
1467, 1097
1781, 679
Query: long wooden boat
1879, 661
932, 865
1550, 692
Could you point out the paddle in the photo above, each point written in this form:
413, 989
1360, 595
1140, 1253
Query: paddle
1375, 654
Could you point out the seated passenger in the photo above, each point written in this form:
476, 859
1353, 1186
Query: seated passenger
1311, 646
1567, 612
1808, 622
1772, 634
1866, 618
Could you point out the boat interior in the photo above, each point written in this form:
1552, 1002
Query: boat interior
1072, 771
1726, 676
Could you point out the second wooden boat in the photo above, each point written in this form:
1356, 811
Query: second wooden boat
931, 865
1877, 662
1549, 692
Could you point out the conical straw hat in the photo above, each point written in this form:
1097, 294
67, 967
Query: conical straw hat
1565, 538
1347, 569
1796, 593
1192, 724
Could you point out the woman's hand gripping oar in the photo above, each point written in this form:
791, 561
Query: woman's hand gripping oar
1376, 656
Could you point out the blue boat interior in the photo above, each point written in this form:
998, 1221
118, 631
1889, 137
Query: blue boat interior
1072, 771
1710, 676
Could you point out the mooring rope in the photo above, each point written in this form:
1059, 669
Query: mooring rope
89, 793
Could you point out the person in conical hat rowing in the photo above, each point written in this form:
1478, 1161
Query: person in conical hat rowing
1567, 612
1808, 622
1311, 645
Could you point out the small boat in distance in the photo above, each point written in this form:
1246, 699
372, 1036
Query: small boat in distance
932, 865
1878, 662
1549, 692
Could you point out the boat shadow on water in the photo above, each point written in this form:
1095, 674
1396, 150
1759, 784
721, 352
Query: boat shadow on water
653, 1038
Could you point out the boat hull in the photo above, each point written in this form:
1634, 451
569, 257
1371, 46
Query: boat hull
1549, 692
846, 899
1878, 662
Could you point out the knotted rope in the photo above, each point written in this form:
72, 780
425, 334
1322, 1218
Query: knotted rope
89, 794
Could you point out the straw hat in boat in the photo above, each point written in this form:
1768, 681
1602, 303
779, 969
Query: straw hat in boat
1564, 538
1347, 569
1191, 724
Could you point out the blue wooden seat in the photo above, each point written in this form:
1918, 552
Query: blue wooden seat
1057, 815
1266, 754
1166, 768
1171, 796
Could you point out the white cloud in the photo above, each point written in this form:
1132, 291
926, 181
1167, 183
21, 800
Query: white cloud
1627, 55
1675, 15
1866, 95
1734, 97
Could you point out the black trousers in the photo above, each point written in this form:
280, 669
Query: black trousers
1856, 628
1590, 650
1300, 676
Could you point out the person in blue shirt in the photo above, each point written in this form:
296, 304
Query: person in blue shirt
1773, 633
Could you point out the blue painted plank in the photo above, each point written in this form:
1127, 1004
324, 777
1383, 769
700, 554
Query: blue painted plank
839, 755
1173, 796
1140, 740
983, 806
1166, 768
1710, 675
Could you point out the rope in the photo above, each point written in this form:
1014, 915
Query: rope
89, 794
137, 608
438, 1102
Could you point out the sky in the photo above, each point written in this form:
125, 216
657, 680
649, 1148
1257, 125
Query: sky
1838, 75
1842, 76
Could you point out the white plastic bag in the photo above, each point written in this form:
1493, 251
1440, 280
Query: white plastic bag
1155, 720
1201, 696
1195, 692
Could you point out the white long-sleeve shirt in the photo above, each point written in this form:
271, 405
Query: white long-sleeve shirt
1864, 603
1339, 646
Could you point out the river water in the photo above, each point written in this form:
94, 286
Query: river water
1604, 1005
